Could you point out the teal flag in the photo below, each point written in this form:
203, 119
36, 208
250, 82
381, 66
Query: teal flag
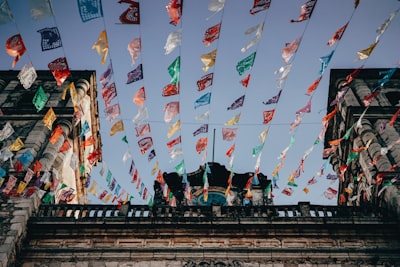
246, 63
180, 168
40, 99
325, 62
203, 100
174, 70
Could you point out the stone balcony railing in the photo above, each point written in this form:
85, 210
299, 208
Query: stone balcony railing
144, 214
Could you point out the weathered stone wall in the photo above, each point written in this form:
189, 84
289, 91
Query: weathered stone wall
14, 215
293, 236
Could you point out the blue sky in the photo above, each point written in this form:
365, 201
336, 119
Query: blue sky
328, 16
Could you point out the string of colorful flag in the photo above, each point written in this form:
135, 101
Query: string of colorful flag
175, 8
50, 183
288, 53
363, 54
109, 92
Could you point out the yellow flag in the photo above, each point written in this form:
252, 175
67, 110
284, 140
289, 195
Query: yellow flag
17, 145
208, 59
154, 169
21, 187
118, 126
263, 135
365, 53
107, 198
93, 188
73, 93
235, 119
101, 46
173, 128
49, 118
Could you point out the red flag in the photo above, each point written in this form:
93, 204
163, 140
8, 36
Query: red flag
174, 9
60, 70
201, 144
306, 11
173, 142
367, 99
394, 117
312, 181
65, 146
211, 34
245, 81
351, 76
144, 144
268, 115
94, 156
57, 132
135, 176
15, 47
230, 151
108, 93
260, 5
170, 89
205, 81
337, 35
131, 15
287, 191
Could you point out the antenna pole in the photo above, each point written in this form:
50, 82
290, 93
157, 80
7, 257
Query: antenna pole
213, 147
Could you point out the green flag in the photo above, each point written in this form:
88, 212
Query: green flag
246, 63
40, 99
174, 70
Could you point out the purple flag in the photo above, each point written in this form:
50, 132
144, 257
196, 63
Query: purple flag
238, 103
135, 75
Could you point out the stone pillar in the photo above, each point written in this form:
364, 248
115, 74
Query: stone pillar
50, 153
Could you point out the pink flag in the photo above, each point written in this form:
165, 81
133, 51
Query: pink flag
170, 110
134, 49
306, 108
290, 50
142, 129
229, 134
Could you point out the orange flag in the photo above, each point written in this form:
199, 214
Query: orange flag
15, 47
55, 135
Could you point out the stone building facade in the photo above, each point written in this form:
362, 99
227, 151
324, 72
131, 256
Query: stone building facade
363, 136
51, 156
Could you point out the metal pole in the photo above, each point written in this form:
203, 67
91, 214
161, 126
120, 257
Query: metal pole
213, 148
